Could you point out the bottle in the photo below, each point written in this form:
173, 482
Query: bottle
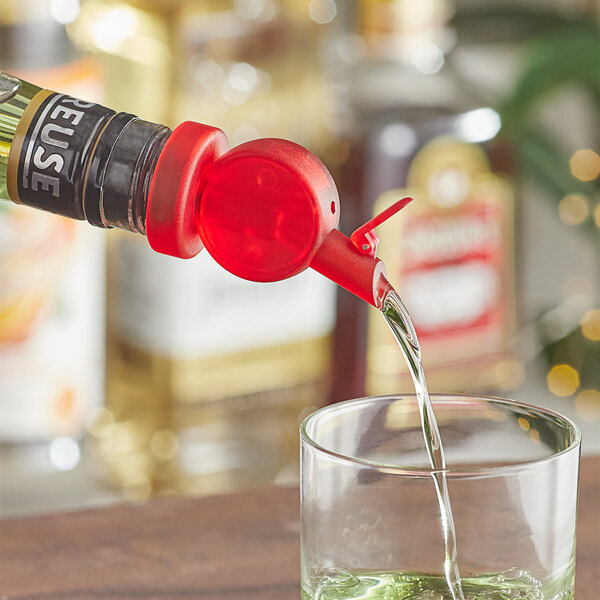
253, 69
233, 390
69, 157
51, 273
265, 210
136, 43
411, 128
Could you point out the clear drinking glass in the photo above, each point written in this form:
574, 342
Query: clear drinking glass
370, 516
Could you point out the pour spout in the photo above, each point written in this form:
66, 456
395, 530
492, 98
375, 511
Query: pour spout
350, 261
340, 260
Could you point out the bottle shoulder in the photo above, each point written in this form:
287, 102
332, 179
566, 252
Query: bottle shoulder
387, 88
391, 102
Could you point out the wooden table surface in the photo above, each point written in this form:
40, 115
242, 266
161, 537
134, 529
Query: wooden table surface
237, 547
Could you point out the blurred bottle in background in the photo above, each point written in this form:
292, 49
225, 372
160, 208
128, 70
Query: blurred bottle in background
135, 42
410, 127
208, 375
51, 273
253, 68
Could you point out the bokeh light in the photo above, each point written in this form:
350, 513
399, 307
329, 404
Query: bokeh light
322, 11
585, 165
64, 11
590, 325
563, 380
509, 374
597, 215
64, 453
587, 405
574, 209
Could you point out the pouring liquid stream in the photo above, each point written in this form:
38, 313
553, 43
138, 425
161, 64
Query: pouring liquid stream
396, 316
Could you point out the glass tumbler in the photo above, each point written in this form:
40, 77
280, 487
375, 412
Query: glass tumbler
371, 521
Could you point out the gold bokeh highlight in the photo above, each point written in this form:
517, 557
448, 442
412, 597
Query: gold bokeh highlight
590, 325
585, 165
573, 209
587, 405
563, 380
510, 374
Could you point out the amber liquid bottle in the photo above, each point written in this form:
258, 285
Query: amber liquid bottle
207, 376
414, 131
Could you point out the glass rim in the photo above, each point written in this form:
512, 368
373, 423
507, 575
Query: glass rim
470, 471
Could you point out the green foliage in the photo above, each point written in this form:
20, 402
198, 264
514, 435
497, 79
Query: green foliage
569, 55
565, 55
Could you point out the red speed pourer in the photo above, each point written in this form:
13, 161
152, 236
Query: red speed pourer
265, 210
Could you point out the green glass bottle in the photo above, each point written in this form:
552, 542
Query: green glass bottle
75, 158
15, 96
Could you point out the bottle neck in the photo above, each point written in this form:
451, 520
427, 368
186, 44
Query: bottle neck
398, 61
80, 160
116, 188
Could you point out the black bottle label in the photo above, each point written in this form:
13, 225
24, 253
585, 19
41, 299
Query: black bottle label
49, 157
